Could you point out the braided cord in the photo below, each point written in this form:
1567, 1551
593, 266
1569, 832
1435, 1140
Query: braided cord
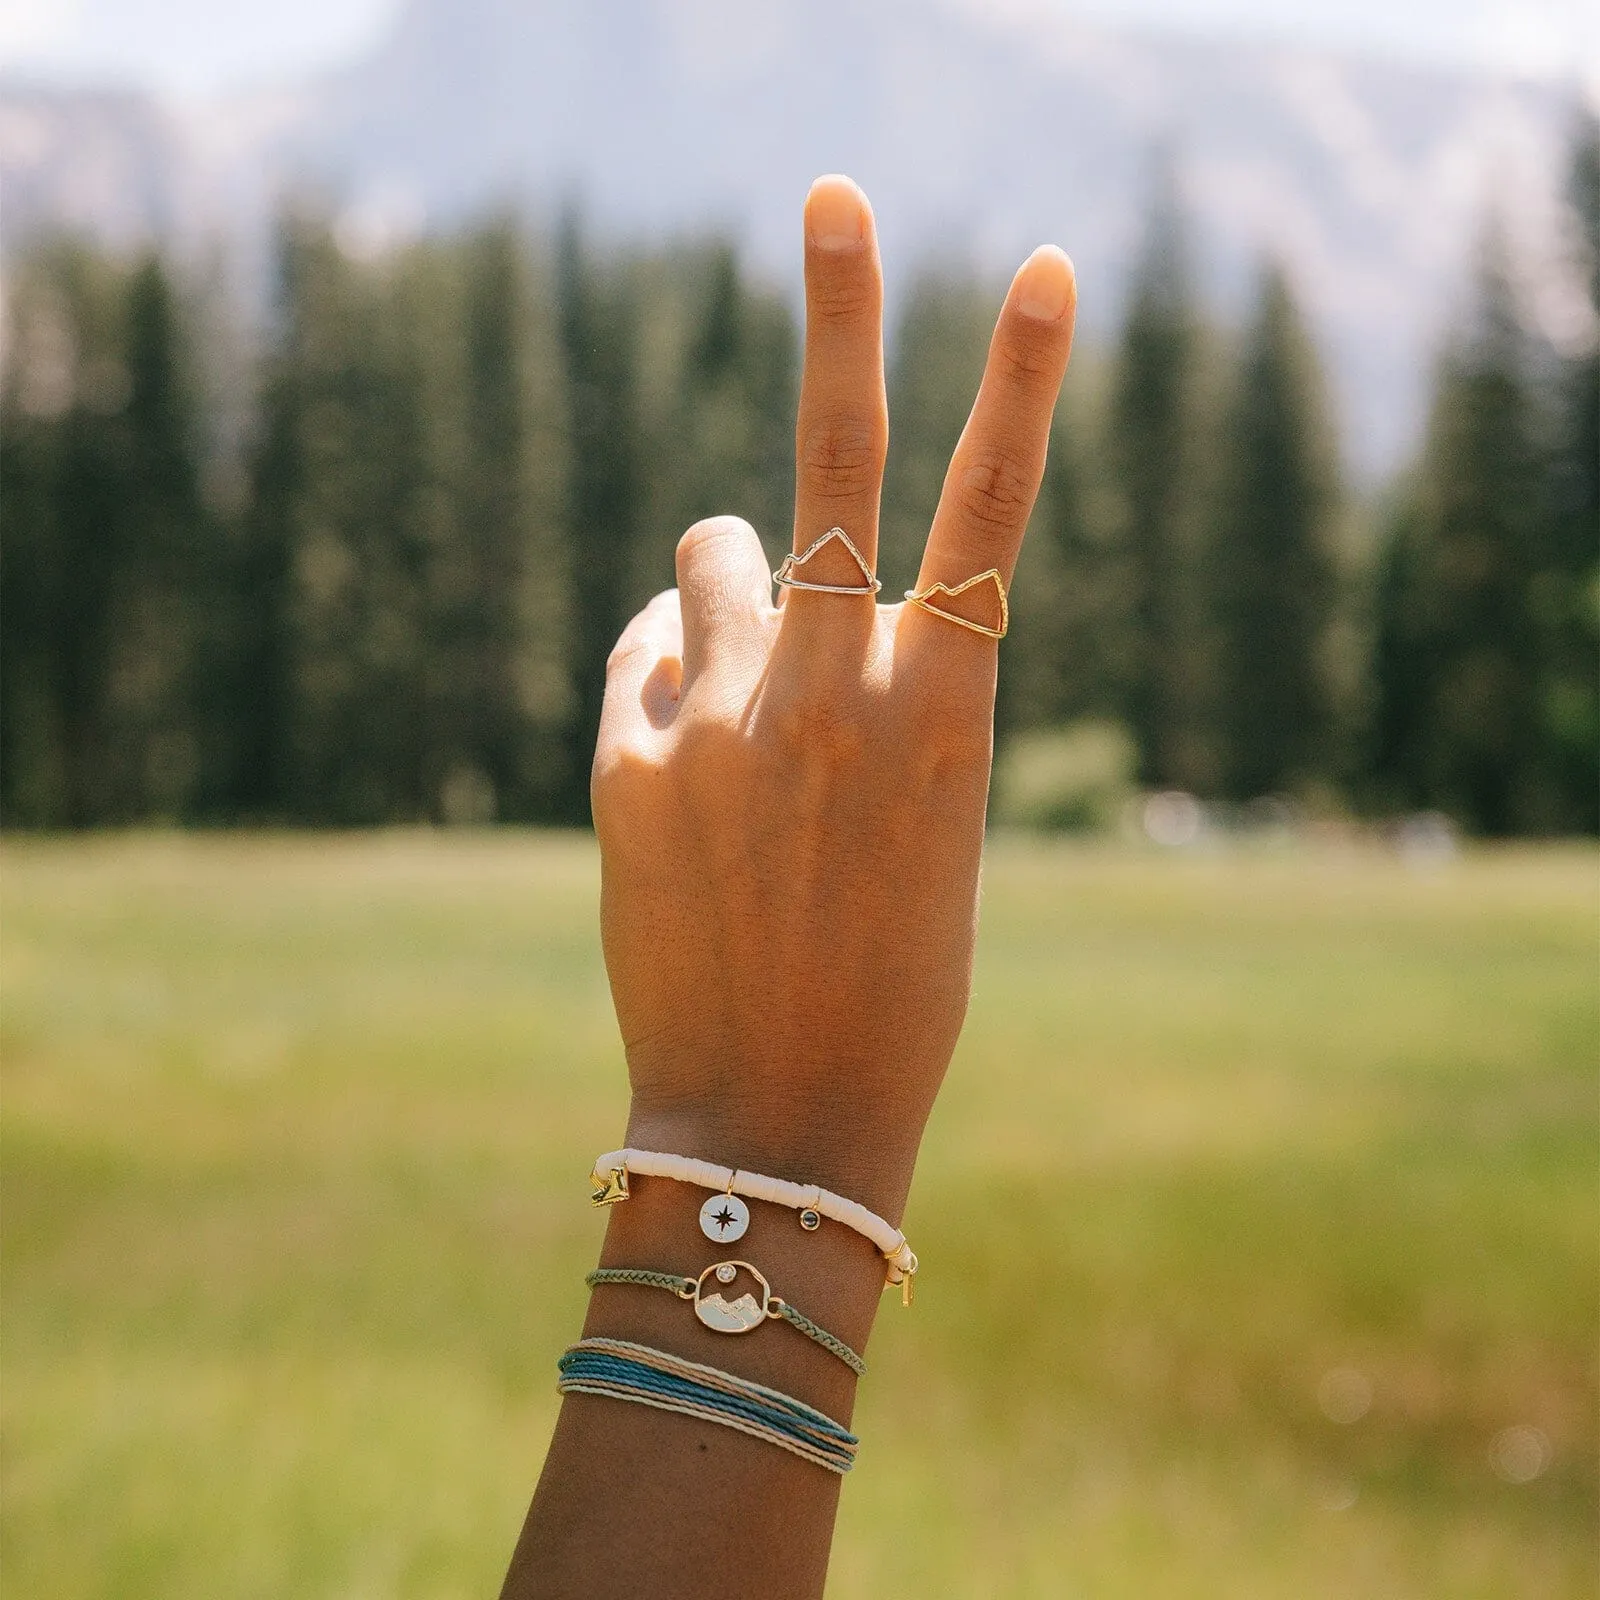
622, 1370
828, 1341
684, 1287
640, 1275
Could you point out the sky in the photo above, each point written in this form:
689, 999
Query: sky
204, 47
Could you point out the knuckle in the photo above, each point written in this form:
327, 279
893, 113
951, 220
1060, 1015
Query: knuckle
842, 456
963, 739
817, 730
1024, 358
620, 773
706, 535
626, 648
709, 745
995, 491
649, 632
955, 721
841, 297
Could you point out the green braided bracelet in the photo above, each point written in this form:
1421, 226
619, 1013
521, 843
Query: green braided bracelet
742, 1314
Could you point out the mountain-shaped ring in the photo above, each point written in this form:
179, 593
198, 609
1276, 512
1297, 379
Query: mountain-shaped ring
785, 574
925, 599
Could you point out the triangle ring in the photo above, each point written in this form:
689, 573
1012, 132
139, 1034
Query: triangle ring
925, 599
791, 564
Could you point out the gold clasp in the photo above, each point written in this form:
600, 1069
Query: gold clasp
613, 1187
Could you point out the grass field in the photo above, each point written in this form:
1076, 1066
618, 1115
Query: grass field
1259, 1221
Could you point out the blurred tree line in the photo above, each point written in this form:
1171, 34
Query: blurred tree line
384, 589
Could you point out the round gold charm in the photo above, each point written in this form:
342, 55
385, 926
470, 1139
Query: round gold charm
810, 1220
732, 1316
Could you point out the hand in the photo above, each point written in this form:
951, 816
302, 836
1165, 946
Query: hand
790, 799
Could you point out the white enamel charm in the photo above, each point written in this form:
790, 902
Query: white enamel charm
732, 1316
724, 1217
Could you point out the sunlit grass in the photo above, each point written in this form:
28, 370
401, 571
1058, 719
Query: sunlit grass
293, 1227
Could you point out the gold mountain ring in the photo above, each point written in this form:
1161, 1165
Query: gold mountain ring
926, 599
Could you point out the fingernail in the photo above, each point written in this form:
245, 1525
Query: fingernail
836, 213
1045, 285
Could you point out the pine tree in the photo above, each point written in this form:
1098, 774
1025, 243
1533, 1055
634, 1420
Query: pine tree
1459, 646
1398, 735
354, 484
739, 384
382, 541
1154, 461
717, 381
1069, 656
600, 335
1270, 563
941, 339
155, 749
102, 531
1566, 587
253, 683
36, 393
513, 694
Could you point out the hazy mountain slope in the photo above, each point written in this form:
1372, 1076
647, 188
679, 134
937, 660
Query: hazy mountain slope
974, 138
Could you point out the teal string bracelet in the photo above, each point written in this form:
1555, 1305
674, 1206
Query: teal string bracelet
737, 1316
621, 1370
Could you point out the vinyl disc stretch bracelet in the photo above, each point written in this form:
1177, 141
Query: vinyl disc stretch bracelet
813, 1202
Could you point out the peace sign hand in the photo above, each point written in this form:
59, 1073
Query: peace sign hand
790, 797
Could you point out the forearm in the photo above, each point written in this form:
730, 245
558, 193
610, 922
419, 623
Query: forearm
627, 1496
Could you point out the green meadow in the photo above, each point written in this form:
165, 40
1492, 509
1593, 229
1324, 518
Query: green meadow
1258, 1218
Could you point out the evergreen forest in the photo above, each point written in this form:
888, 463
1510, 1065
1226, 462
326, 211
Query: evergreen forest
359, 560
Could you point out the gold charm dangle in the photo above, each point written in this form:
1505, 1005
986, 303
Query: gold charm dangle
907, 1279
925, 599
724, 1218
613, 1187
791, 564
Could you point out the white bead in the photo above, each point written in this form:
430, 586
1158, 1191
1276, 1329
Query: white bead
724, 1217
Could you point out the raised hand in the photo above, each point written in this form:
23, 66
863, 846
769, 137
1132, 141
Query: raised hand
790, 798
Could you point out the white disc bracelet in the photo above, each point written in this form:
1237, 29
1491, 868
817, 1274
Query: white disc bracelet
729, 1222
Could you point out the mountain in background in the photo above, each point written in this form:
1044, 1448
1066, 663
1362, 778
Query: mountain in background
976, 136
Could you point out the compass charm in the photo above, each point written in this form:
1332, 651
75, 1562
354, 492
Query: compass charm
724, 1217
